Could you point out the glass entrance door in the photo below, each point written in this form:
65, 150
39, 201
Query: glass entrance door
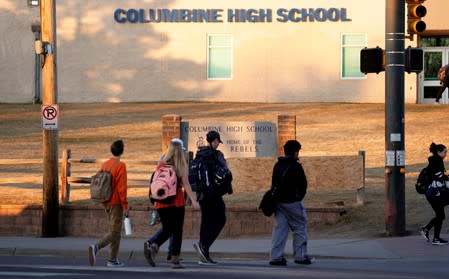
434, 59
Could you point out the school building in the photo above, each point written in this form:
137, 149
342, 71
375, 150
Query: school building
196, 50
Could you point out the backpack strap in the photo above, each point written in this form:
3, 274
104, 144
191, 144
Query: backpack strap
112, 166
276, 187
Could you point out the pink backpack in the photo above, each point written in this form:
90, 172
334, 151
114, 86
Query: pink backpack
163, 185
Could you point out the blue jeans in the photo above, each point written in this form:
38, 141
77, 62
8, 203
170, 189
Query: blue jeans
289, 216
170, 242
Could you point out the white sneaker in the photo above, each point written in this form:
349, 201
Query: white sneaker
115, 263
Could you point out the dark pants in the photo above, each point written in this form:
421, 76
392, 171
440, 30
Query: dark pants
172, 219
441, 90
438, 204
213, 219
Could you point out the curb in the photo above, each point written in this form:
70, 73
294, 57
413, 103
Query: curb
127, 254
138, 254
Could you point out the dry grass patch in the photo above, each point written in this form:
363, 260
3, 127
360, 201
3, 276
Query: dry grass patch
323, 129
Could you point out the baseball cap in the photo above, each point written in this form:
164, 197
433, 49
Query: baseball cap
179, 142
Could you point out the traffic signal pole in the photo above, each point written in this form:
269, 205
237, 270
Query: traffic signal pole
50, 205
394, 118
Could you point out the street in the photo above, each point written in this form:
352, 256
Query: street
76, 267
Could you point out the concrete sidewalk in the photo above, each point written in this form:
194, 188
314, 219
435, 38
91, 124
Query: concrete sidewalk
376, 248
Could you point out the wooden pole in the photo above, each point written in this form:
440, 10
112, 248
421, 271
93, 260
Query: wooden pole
50, 205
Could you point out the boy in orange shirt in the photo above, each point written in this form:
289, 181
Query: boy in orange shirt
115, 208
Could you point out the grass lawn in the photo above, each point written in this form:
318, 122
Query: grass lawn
322, 129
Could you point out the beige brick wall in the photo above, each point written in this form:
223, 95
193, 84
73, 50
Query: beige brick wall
334, 172
20, 220
254, 174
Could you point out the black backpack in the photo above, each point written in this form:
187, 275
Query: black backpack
207, 176
424, 180
199, 174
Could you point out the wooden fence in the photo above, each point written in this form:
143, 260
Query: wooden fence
18, 180
67, 179
66, 171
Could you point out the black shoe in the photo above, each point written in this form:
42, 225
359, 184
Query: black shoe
169, 258
200, 252
425, 233
280, 262
439, 241
305, 261
210, 260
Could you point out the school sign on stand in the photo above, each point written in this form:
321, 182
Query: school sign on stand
241, 139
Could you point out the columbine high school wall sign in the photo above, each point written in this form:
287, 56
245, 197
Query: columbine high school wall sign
282, 15
241, 139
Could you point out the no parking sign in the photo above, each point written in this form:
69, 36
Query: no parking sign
49, 115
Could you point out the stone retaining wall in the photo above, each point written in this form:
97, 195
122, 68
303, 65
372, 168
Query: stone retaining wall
91, 221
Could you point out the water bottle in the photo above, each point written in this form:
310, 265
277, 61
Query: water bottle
128, 228
154, 217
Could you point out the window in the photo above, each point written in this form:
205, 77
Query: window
351, 44
434, 41
219, 56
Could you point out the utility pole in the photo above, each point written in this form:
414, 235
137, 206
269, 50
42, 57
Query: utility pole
394, 118
50, 205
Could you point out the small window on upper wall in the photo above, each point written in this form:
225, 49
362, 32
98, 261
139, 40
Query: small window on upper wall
219, 56
351, 44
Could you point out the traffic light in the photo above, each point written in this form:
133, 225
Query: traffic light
372, 60
415, 11
413, 60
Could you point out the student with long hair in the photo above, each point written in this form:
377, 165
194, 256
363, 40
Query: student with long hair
172, 214
437, 194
